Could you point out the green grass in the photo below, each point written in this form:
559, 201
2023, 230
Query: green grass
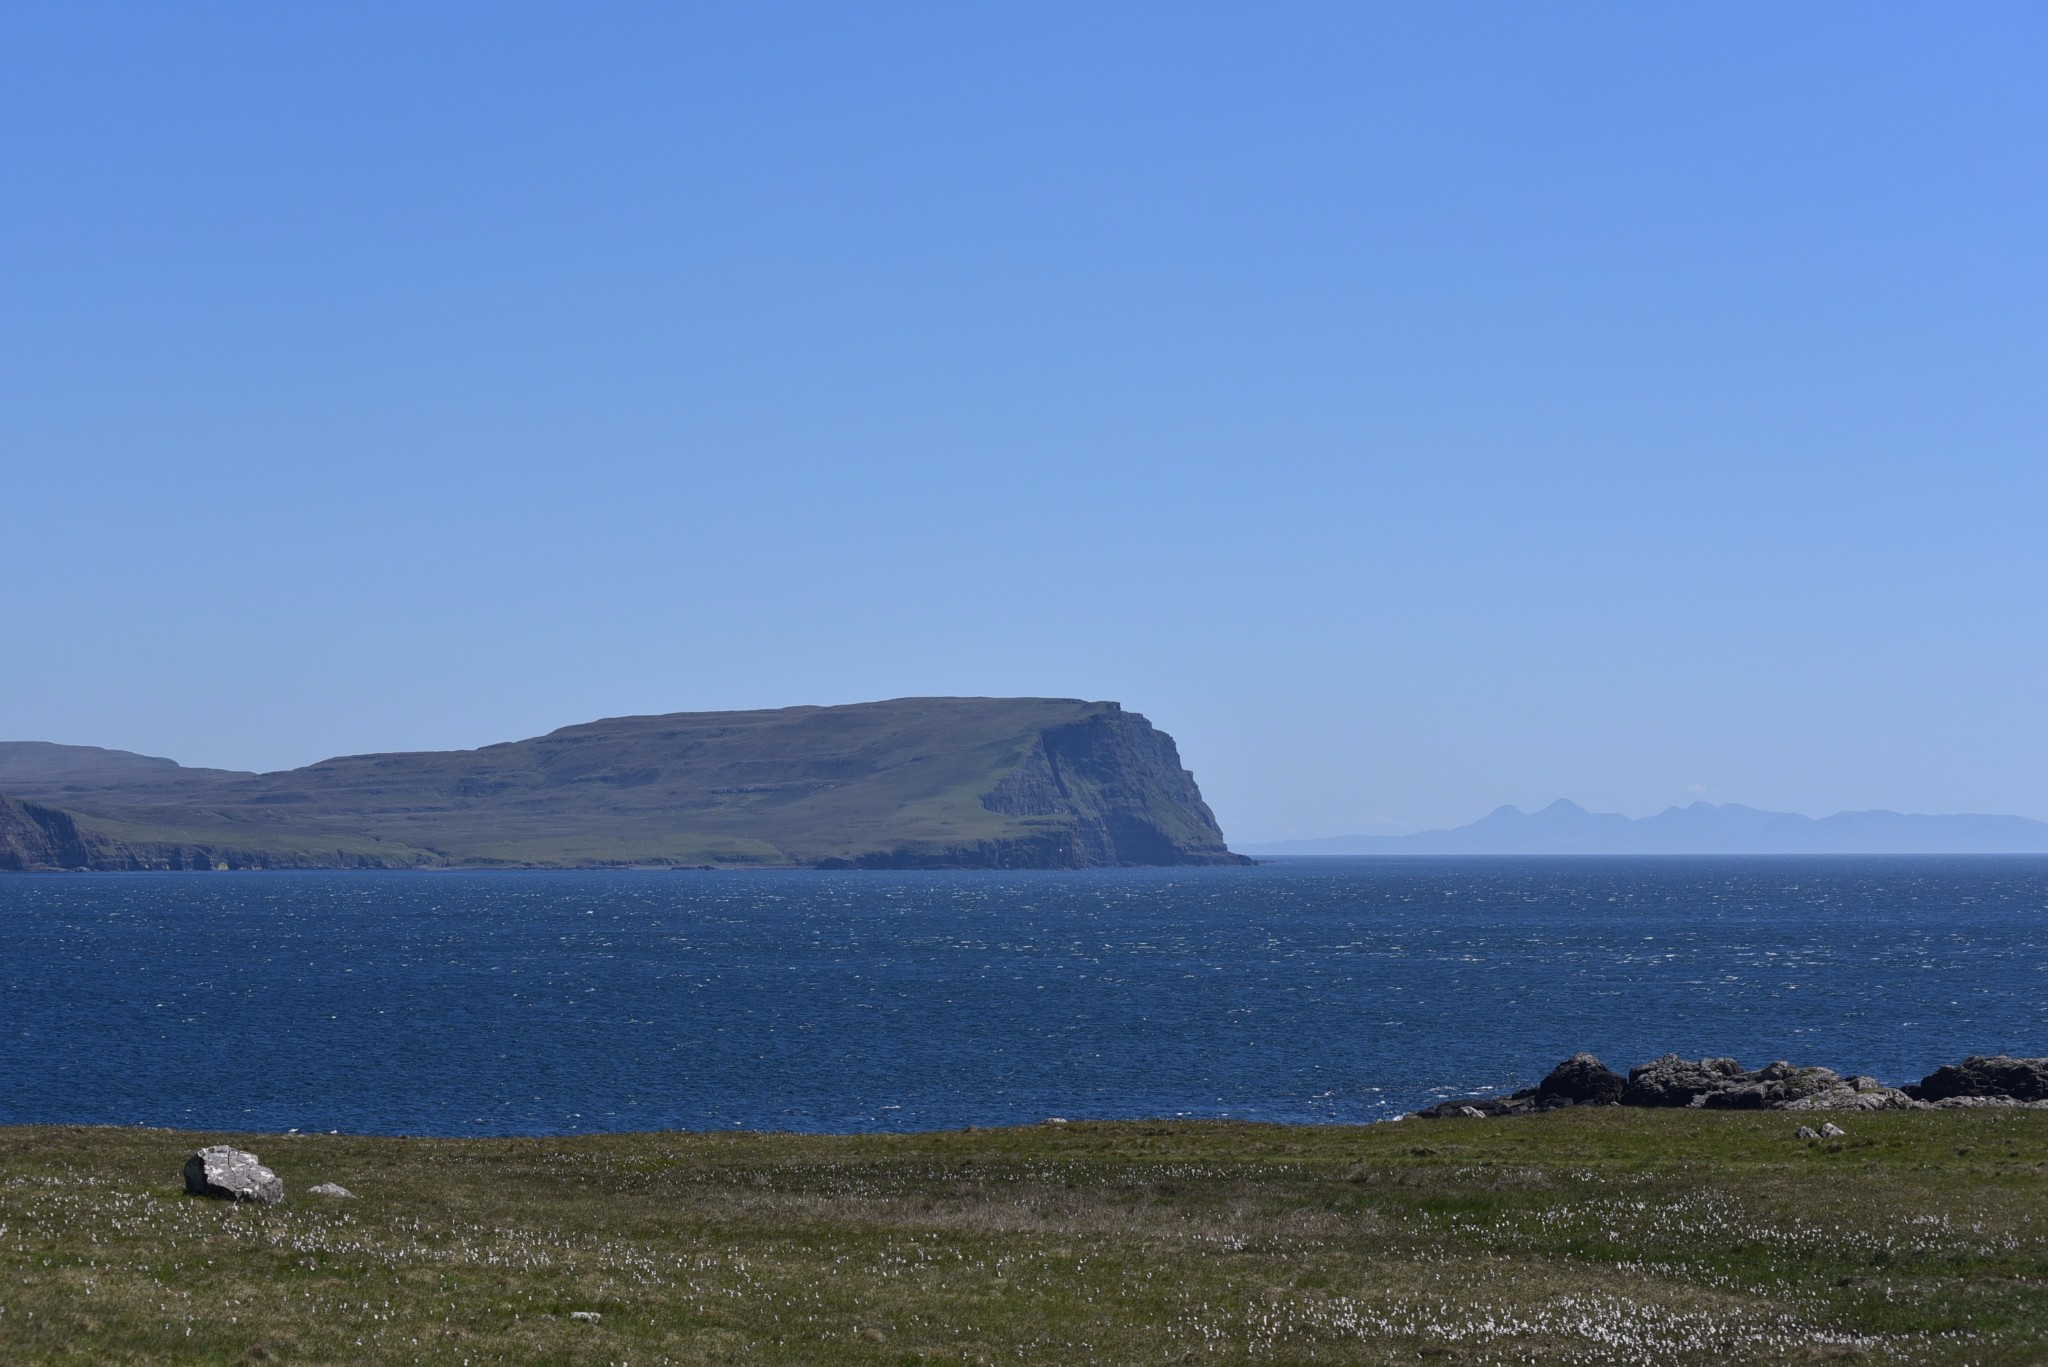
1599, 1236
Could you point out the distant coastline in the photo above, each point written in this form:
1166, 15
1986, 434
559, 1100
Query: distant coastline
1703, 828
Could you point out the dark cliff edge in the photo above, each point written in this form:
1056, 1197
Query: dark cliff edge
914, 783
1107, 790
34, 838
1115, 784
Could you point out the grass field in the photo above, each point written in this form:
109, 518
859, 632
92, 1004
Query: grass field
1597, 1236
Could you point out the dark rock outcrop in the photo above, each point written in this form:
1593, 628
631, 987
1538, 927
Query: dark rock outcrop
231, 1174
1480, 1107
2016, 1079
1858, 1093
1773, 1087
1581, 1080
1672, 1081
1723, 1084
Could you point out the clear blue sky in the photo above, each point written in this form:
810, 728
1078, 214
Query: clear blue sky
1412, 408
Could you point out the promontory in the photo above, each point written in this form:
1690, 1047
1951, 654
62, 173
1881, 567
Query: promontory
1052, 783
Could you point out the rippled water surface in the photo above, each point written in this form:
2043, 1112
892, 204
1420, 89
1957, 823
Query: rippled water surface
1304, 990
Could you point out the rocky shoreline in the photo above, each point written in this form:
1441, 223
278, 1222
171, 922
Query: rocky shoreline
1722, 1084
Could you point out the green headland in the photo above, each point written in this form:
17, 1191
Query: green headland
911, 783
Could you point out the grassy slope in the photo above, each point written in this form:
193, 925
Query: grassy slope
1614, 1236
793, 785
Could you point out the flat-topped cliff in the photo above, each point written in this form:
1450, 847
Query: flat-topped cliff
910, 783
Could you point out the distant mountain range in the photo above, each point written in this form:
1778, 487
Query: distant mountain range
1703, 828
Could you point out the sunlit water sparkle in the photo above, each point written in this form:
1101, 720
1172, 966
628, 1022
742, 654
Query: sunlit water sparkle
1303, 990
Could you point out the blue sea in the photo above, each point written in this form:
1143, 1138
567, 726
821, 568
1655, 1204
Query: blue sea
1305, 990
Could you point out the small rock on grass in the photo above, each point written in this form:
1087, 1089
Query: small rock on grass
587, 1316
231, 1174
331, 1189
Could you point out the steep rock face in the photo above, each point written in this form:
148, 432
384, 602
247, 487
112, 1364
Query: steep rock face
33, 837
1118, 780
